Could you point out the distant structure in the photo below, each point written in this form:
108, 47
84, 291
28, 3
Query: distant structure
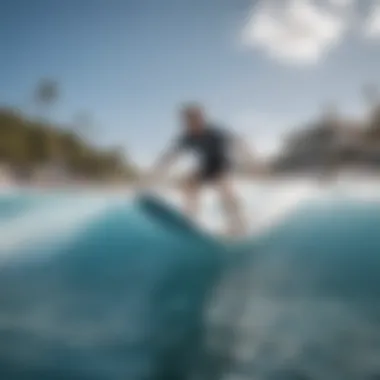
372, 99
5, 175
332, 141
309, 147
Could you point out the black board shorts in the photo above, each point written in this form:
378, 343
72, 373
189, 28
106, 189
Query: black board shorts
213, 170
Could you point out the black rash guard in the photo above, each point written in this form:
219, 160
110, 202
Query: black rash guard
213, 149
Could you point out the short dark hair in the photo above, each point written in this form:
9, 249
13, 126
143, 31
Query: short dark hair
190, 108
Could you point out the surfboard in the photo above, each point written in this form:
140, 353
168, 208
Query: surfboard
167, 215
172, 218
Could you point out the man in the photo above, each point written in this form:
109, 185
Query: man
213, 147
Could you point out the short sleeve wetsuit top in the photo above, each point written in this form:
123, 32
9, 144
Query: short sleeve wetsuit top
212, 148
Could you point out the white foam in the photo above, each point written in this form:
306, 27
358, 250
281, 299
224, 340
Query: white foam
50, 221
263, 204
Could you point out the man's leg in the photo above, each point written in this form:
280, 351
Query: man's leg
230, 204
191, 195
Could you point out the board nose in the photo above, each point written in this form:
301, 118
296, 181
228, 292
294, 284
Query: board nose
168, 216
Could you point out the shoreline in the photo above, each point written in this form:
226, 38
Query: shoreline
355, 174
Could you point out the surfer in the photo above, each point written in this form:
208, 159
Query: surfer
213, 147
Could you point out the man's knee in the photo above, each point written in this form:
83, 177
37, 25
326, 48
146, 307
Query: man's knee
230, 202
190, 185
226, 189
229, 197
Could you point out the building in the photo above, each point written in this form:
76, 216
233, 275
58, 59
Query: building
325, 143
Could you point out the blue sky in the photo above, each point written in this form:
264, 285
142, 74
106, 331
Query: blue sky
260, 67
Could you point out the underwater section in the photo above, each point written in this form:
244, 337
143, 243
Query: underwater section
98, 287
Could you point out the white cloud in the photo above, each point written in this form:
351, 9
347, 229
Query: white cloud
372, 24
296, 31
341, 3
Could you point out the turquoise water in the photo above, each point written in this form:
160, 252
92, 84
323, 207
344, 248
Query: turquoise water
94, 287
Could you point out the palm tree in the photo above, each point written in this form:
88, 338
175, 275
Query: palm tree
45, 95
330, 114
371, 95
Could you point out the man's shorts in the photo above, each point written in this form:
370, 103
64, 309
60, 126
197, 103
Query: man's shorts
213, 170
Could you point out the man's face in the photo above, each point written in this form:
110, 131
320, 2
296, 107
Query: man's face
193, 120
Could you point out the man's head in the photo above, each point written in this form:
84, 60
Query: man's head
193, 118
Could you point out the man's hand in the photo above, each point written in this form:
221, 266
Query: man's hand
154, 175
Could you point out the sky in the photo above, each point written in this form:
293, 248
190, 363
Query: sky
259, 67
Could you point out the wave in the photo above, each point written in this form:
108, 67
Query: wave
93, 287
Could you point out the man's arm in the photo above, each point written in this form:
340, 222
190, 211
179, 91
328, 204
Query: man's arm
164, 161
